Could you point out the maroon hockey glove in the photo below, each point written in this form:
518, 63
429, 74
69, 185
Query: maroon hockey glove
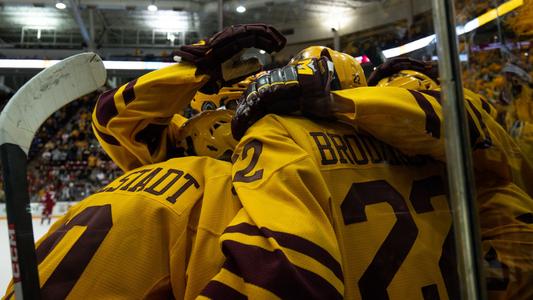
397, 64
304, 87
211, 54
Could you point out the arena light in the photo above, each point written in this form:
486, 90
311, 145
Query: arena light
152, 7
462, 57
60, 5
492, 15
409, 47
335, 17
469, 26
37, 19
168, 21
134, 65
109, 64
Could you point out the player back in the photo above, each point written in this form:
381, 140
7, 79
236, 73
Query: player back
151, 233
388, 211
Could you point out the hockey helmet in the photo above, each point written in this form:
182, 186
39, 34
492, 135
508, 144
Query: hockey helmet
409, 79
209, 134
348, 71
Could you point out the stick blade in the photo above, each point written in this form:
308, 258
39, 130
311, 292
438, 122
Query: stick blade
47, 92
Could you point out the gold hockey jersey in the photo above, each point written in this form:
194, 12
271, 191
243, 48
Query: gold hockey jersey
412, 121
332, 213
137, 124
153, 233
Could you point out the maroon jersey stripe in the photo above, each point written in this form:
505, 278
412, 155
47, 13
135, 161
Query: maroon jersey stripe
106, 137
485, 105
293, 242
275, 273
105, 107
434, 94
129, 93
98, 221
218, 290
151, 136
473, 130
432, 120
526, 218
487, 142
49, 244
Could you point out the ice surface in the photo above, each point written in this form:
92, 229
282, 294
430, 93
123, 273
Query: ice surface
5, 261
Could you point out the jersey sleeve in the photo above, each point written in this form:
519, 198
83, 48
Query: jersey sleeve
481, 103
412, 121
137, 122
281, 244
408, 120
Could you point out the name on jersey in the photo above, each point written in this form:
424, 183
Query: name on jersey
360, 150
168, 183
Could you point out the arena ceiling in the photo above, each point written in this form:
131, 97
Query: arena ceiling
126, 23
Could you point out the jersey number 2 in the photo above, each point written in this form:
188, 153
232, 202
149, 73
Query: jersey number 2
98, 221
394, 249
244, 174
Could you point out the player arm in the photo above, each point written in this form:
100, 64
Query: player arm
281, 243
409, 120
413, 122
495, 154
481, 103
136, 123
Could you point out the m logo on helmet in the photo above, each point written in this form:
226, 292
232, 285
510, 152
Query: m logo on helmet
305, 68
348, 71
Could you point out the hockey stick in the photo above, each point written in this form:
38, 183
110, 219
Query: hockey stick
35, 101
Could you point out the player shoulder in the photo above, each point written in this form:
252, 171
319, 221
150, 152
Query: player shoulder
294, 127
281, 123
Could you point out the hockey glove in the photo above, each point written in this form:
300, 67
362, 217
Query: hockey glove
395, 65
304, 87
209, 56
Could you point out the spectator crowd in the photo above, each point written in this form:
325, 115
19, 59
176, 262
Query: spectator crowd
65, 158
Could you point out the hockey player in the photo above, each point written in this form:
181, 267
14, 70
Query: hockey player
503, 172
48, 202
329, 212
138, 123
505, 210
153, 232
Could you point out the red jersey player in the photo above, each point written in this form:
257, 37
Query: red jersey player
48, 203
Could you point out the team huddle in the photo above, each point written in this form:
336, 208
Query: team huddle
309, 181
